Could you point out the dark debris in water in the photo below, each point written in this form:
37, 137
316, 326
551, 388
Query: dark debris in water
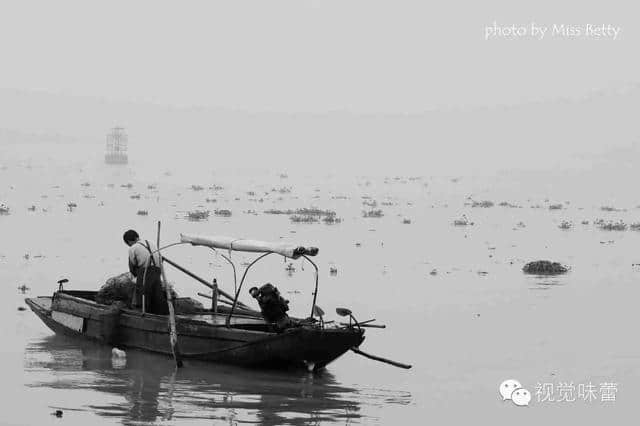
484, 204
197, 215
544, 267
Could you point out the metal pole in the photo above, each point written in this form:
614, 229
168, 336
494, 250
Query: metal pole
235, 299
315, 291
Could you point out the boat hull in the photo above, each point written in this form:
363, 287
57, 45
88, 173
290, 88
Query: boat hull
203, 337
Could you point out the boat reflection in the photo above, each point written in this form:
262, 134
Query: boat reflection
147, 388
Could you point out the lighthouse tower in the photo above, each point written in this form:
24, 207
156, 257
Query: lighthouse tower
117, 141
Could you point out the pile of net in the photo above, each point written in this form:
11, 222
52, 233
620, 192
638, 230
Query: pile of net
187, 305
119, 290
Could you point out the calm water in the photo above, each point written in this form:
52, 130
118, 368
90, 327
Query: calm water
454, 299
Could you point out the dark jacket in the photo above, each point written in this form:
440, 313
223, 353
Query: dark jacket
272, 305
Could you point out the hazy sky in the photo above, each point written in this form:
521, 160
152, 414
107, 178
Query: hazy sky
300, 55
195, 78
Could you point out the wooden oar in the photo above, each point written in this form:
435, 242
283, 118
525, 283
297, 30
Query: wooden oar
173, 333
202, 281
377, 358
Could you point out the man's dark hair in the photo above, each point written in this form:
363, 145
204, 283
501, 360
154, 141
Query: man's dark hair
130, 235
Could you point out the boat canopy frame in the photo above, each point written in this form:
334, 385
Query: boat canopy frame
263, 248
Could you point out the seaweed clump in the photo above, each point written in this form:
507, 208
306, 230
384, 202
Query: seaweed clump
372, 213
613, 226
610, 209
278, 211
544, 267
197, 215
283, 190
565, 225
303, 219
313, 211
330, 220
484, 204
507, 204
463, 221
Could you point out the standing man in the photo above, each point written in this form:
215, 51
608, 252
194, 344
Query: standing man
144, 264
139, 251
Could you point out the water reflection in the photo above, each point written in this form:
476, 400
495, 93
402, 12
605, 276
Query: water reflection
147, 388
544, 282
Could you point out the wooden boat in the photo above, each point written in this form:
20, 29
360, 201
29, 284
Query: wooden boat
223, 334
205, 336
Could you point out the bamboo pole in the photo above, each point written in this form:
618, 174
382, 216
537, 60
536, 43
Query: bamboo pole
201, 280
173, 333
226, 302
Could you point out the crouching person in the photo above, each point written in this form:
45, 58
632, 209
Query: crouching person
273, 306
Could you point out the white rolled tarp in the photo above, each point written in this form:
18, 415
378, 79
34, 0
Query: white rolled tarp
240, 244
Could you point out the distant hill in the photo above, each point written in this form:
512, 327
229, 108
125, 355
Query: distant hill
8, 136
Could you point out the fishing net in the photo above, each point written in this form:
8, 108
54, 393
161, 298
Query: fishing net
119, 289
187, 305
